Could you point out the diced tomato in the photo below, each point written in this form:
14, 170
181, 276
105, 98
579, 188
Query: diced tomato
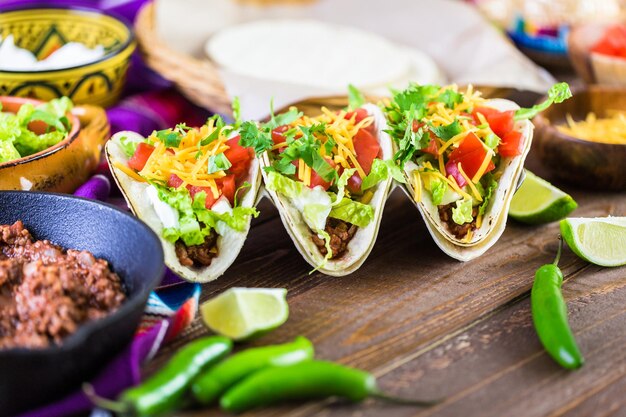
140, 157
227, 187
367, 149
471, 155
501, 122
432, 147
613, 43
277, 134
210, 200
512, 144
316, 179
361, 114
238, 156
174, 181
469, 144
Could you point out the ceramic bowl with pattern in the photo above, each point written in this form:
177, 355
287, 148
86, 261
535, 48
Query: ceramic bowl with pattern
44, 30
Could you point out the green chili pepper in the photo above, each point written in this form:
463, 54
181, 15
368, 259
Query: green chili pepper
165, 390
304, 381
549, 312
215, 381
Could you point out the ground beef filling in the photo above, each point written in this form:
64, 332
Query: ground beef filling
340, 233
198, 255
458, 230
46, 293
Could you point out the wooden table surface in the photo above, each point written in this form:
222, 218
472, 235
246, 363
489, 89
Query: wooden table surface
431, 327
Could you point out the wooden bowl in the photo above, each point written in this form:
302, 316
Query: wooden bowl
588, 164
43, 30
64, 166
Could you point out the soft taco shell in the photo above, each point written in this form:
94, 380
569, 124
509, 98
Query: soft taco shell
229, 241
363, 241
494, 219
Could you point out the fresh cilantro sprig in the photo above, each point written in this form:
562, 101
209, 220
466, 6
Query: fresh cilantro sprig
411, 106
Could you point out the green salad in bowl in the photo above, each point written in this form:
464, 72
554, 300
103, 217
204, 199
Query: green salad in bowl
33, 128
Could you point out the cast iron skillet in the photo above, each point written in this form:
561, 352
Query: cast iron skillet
31, 377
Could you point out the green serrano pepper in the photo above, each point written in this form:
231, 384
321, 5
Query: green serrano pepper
304, 381
166, 389
549, 312
215, 381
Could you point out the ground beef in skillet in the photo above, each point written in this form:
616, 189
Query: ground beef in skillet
458, 230
47, 293
340, 233
198, 255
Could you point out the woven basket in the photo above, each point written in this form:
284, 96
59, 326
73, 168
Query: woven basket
197, 79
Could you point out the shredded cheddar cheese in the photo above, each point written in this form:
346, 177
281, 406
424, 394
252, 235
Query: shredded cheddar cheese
418, 186
342, 131
188, 160
470, 183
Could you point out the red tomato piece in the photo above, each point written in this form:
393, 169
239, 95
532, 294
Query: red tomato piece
278, 134
140, 157
361, 114
210, 200
432, 147
512, 144
469, 144
501, 122
613, 43
238, 156
174, 181
227, 187
471, 155
367, 149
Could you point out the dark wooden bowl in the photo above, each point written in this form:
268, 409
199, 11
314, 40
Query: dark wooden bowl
580, 162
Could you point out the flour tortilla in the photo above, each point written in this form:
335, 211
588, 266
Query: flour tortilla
342, 55
494, 219
229, 241
363, 241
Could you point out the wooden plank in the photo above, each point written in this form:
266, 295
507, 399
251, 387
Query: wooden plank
408, 298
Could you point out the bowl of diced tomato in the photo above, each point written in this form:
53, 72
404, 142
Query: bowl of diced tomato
598, 53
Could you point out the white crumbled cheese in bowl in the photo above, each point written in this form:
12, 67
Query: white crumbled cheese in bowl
72, 54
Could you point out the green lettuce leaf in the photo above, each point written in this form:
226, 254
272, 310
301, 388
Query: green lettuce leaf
236, 220
341, 184
129, 144
438, 189
188, 229
462, 213
380, 171
313, 203
8, 151
353, 212
492, 184
558, 93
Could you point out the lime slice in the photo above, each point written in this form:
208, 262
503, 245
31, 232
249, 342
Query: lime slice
537, 201
243, 313
600, 240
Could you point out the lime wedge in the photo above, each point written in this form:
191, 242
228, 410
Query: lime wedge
537, 201
600, 240
243, 313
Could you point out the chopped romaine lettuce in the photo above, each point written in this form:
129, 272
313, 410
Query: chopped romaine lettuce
380, 171
16, 140
462, 213
353, 212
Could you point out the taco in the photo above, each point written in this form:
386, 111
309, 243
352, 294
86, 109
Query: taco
462, 157
329, 177
196, 188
